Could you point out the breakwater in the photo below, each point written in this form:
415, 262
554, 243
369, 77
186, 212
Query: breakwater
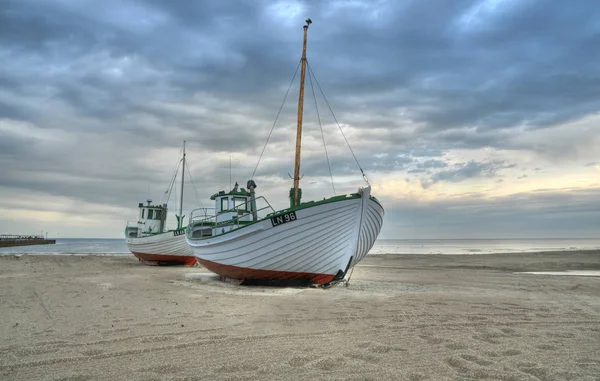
7, 240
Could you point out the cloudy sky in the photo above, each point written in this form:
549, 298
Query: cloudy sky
471, 118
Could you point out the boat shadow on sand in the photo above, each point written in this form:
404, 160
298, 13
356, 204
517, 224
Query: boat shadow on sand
207, 279
201, 282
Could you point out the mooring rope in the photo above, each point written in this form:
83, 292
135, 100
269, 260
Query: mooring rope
349, 276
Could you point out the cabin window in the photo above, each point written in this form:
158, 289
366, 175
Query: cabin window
202, 232
157, 214
150, 214
143, 210
240, 203
224, 203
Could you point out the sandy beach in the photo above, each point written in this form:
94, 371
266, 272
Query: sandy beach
404, 317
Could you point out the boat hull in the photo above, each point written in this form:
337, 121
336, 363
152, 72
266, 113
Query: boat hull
288, 277
317, 246
164, 248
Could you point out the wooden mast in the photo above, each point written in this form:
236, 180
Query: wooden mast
300, 112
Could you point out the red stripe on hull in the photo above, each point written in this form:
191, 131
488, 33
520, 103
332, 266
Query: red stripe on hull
242, 273
155, 259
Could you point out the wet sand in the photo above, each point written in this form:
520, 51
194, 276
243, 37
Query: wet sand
404, 317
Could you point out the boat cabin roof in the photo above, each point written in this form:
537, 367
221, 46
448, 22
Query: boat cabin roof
141, 205
233, 192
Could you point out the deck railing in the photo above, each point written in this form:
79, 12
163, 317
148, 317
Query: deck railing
201, 216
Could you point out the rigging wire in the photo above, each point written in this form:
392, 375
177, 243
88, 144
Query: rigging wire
338, 124
321, 126
194, 187
168, 192
175, 185
172, 180
276, 118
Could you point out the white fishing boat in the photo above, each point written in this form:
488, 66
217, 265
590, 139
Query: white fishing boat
150, 241
314, 242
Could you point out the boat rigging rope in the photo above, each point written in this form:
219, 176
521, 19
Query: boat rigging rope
277, 117
176, 201
321, 126
338, 124
194, 187
168, 192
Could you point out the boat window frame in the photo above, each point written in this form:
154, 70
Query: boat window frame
150, 214
227, 206
244, 203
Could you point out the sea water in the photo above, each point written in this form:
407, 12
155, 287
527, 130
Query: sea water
89, 246
482, 246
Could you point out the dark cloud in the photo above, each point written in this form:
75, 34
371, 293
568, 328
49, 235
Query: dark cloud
11, 146
455, 67
432, 164
464, 171
96, 97
426, 152
427, 165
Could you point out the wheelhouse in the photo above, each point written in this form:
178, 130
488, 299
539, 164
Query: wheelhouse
151, 220
232, 210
